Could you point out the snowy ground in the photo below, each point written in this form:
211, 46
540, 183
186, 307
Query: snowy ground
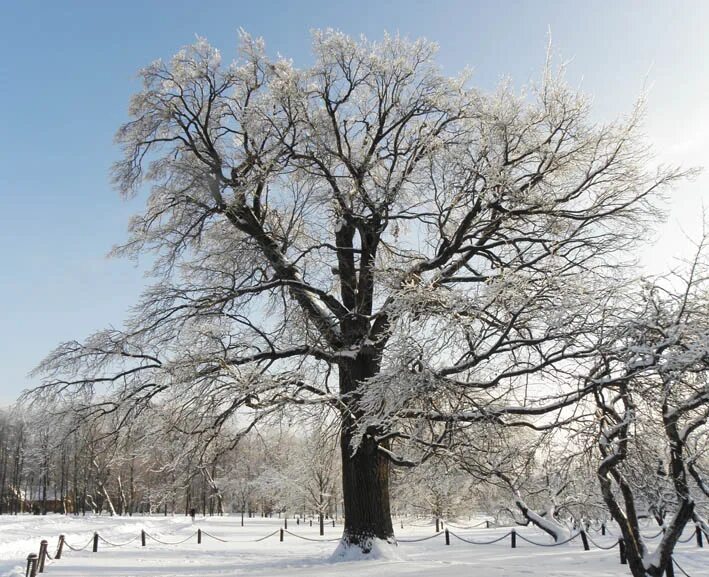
296, 557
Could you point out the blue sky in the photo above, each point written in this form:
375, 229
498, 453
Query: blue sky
68, 69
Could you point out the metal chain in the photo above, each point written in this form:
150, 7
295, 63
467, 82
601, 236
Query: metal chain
118, 544
216, 538
481, 542
548, 544
449, 524
615, 544
266, 537
308, 538
79, 548
421, 539
687, 540
169, 542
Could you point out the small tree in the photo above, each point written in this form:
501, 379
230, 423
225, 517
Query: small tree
305, 471
655, 380
435, 488
539, 476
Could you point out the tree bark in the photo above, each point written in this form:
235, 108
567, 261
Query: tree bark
365, 471
365, 488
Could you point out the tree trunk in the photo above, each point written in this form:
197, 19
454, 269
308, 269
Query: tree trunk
131, 504
365, 487
365, 472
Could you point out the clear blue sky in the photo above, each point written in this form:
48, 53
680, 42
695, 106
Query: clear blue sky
67, 70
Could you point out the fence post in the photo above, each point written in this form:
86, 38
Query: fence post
603, 528
448, 538
285, 524
31, 565
60, 547
95, 542
199, 536
281, 536
42, 555
700, 542
621, 548
142, 537
311, 522
585, 540
333, 522
670, 569
513, 534
438, 526
487, 524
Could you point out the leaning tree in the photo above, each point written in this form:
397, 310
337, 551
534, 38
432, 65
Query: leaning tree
364, 233
654, 376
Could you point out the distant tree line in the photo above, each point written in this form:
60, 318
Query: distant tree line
67, 465
59, 465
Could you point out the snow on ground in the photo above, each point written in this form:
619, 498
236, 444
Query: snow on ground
297, 557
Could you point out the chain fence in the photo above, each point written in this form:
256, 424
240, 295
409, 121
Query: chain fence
36, 563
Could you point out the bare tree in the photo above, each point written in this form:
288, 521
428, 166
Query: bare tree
304, 471
539, 476
656, 390
436, 489
364, 233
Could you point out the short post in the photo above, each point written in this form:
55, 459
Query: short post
621, 548
448, 538
281, 536
603, 528
487, 524
285, 524
60, 547
584, 539
142, 537
311, 522
31, 565
670, 569
438, 526
199, 536
42, 555
95, 542
700, 542
513, 534
333, 522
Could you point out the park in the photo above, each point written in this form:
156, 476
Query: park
366, 310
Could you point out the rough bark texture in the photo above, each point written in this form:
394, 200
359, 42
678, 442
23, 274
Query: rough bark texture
365, 472
365, 486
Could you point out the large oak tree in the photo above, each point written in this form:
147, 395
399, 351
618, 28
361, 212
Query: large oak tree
368, 234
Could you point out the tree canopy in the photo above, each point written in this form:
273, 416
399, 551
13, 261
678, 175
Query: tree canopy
369, 235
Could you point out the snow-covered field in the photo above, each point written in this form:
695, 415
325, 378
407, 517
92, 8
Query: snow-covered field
297, 557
